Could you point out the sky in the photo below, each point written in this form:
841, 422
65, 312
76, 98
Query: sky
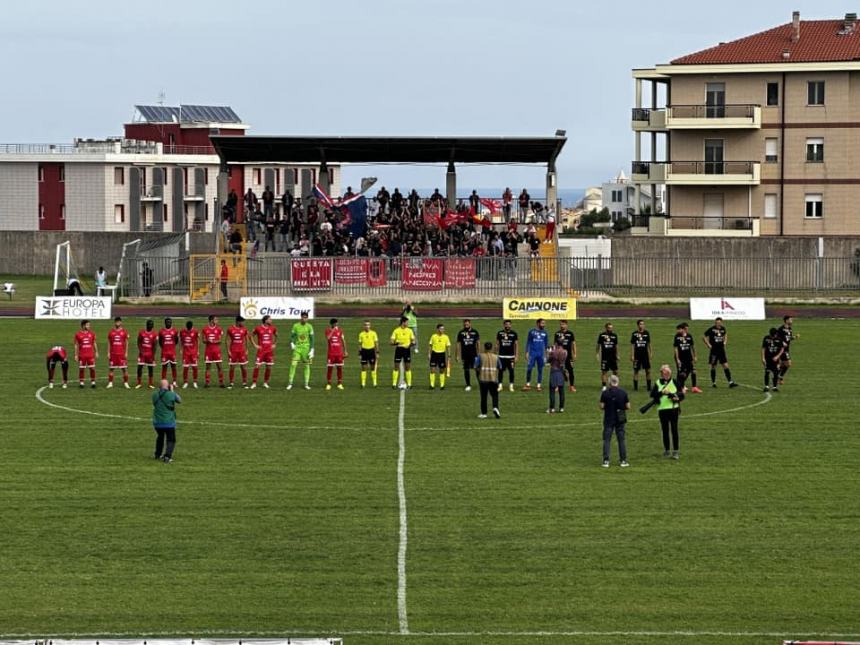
377, 67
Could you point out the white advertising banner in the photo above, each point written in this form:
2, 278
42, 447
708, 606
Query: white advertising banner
279, 308
73, 308
727, 308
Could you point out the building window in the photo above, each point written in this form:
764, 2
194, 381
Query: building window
258, 177
205, 212
164, 211
814, 205
119, 176
205, 176
331, 177
185, 178
164, 176
770, 151
770, 206
815, 93
142, 181
119, 214
41, 172
62, 172
773, 94
41, 212
814, 150
62, 211
617, 196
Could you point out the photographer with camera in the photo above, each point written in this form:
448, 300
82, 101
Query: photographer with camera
667, 396
164, 420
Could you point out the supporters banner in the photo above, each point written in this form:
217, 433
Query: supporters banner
350, 270
311, 274
422, 274
377, 272
534, 308
73, 307
460, 273
727, 308
278, 308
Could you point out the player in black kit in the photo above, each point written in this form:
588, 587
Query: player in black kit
508, 349
640, 354
685, 357
466, 350
716, 340
607, 353
567, 340
787, 334
772, 351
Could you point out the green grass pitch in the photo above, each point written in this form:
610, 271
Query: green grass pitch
280, 514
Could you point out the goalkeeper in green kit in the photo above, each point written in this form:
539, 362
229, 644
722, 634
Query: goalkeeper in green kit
302, 343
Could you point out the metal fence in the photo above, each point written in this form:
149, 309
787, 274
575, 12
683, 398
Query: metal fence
380, 278
476, 278
679, 276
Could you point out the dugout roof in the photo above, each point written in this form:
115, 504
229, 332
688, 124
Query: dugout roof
519, 150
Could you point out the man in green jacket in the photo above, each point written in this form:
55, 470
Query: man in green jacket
164, 402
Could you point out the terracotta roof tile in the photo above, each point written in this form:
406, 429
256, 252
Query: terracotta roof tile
820, 41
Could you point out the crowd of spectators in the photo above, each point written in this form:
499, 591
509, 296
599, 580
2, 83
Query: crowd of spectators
397, 225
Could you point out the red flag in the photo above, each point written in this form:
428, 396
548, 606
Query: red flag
493, 204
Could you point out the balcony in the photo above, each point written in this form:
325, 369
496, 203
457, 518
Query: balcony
195, 193
648, 120
713, 117
697, 226
697, 173
151, 193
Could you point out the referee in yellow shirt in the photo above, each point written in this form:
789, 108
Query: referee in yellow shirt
403, 339
439, 355
368, 350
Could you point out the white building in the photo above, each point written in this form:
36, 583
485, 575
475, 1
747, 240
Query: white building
619, 196
161, 176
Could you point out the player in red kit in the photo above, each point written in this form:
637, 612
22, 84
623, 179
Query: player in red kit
265, 339
168, 339
86, 352
237, 350
57, 354
147, 339
212, 333
118, 352
336, 353
190, 341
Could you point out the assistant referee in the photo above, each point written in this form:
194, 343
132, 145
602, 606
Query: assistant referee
403, 340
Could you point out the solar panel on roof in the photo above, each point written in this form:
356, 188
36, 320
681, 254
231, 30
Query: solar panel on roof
188, 114
158, 113
209, 114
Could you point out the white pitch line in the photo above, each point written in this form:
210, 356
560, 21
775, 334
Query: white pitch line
283, 633
402, 616
223, 424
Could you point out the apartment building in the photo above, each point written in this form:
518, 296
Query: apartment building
759, 134
161, 175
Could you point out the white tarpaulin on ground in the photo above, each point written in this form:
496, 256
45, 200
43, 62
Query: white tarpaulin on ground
727, 308
279, 308
73, 307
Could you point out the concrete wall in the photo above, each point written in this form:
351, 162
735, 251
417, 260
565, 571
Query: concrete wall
763, 247
19, 196
32, 252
